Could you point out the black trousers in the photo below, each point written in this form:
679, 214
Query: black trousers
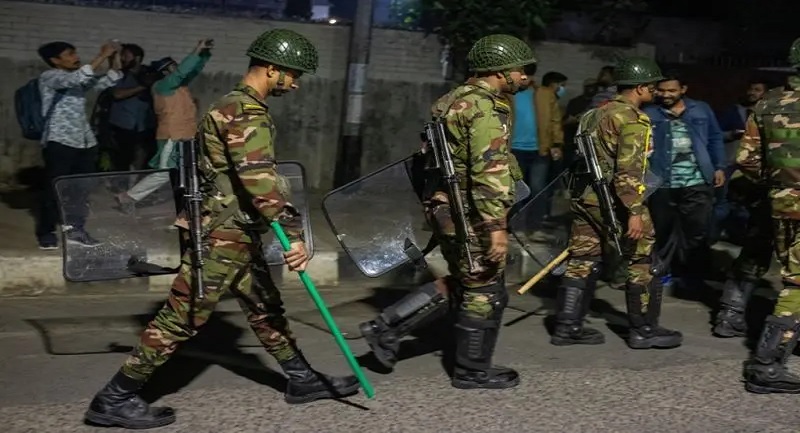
61, 160
131, 148
686, 213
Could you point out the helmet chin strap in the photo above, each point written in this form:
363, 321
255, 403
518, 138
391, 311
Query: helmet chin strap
280, 88
512, 86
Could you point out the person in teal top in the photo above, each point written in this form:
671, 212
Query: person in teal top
176, 113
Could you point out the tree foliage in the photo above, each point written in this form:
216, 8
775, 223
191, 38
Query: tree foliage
459, 23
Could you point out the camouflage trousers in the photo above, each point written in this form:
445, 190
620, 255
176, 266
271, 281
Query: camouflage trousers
787, 248
589, 237
238, 267
755, 257
486, 272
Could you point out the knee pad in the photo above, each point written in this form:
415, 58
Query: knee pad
424, 295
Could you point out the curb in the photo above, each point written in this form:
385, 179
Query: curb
34, 275
41, 274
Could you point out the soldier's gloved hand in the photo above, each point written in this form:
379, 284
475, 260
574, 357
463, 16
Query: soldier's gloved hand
499, 247
296, 257
635, 227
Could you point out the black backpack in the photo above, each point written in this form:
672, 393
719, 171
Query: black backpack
28, 107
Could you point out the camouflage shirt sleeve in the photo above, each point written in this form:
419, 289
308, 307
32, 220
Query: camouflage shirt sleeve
633, 144
250, 143
489, 163
748, 155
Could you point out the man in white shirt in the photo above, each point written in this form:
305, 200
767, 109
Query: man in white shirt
68, 143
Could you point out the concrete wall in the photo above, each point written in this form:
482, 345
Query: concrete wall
404, 75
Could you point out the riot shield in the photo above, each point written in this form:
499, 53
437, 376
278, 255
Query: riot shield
122, 234
294, 173
379, 219
140, 240
543, 239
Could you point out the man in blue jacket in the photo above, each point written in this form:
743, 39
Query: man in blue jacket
689, 157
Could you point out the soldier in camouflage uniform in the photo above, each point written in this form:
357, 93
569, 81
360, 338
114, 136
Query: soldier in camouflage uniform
622, 139
753, 260
242, 194
476, 117
770, 148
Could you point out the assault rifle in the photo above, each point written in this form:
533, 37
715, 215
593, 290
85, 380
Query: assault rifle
586, 149
192, 199
443, 160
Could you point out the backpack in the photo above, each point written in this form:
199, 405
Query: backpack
28, 108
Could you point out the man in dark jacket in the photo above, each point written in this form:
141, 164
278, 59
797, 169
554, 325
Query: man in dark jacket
689, 157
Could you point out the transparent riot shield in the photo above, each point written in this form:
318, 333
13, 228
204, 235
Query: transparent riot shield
541, 225
102, 237
379, 219
294, 173
108, 240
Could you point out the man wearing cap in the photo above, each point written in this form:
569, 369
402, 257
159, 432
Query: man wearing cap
176, 114
242, 195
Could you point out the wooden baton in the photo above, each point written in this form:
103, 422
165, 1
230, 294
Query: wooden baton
546, 270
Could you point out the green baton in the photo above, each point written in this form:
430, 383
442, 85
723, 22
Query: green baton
326, 315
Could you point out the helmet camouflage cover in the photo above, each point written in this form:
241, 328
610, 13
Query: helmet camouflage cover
286, 48
794, 53
637, 70
496, 53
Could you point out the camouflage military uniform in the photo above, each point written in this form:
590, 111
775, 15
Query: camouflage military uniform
752, 262
481, 149
475, 117
770, 149
622, 137
242, 192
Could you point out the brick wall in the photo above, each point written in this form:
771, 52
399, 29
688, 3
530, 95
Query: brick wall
404, 74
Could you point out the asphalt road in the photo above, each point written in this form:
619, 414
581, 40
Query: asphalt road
223, 383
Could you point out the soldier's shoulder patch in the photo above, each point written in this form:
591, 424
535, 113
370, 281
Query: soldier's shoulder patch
252, 107
502, 105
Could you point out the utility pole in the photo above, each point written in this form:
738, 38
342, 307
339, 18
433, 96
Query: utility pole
348, 160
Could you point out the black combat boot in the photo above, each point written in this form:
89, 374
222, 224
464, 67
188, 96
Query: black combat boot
766, 371
307, 385
416, 309
645, 333
476, 339
731, 317
574, 299
118, 405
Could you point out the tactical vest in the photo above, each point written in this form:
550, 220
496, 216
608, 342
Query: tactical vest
780, 124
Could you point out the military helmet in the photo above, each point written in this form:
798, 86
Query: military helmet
495, 53
794, 53
287, 48
637, 70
